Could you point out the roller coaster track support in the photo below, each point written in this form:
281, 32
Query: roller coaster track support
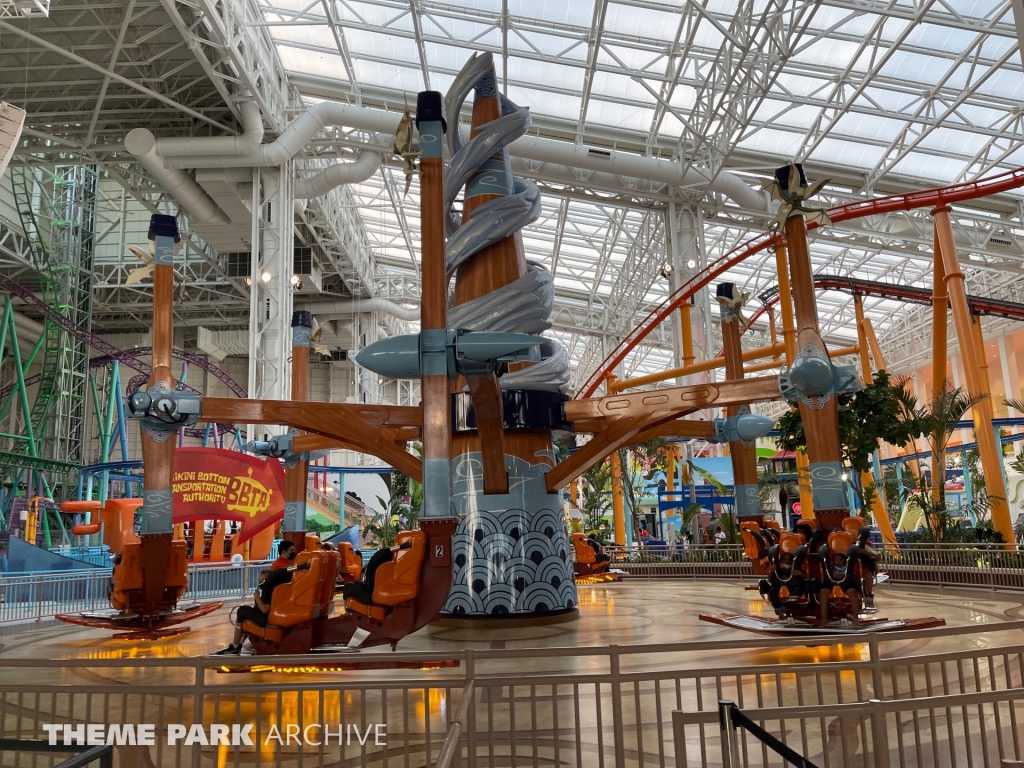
955, 193
57, 213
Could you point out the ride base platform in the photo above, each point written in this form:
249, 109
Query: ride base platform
140, 627
788, 627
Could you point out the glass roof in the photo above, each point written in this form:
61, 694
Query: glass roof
880, 96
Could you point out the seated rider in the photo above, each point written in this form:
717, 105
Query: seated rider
838, 570
599, 554
869, 563
286, 553
784, 571
257, 613
362, 591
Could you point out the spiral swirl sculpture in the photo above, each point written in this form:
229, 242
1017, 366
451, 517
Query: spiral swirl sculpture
511, 553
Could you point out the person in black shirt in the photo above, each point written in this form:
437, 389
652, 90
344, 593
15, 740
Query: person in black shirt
600, 556
362, 591
257, 613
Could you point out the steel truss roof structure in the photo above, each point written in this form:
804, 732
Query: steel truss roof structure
879, 96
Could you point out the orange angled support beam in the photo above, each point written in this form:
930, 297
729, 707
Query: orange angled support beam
878, 504
991, 457
617, 420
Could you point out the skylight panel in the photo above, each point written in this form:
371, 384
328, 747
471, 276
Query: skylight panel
547, 73
306, 34
848, 153
576, 12
537, 43
778, 143
878, 99
929, 167
312, 63
620, 56
790, 84
954, 142
1004, 84
915, 68
381, 46
367, 13
388, 76
873, 127
940, 38
641, 22
605, 84
481, 34
835, 54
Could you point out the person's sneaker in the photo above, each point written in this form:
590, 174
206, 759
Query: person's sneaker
231, 650
869, 601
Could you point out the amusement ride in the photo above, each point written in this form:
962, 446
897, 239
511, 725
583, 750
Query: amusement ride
492, 538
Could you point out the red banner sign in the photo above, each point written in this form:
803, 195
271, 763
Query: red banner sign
214, 484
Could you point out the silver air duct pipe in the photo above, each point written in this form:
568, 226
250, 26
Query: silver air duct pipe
325, 311
297, 135
320, 116
336, 175
190, 196
206, 146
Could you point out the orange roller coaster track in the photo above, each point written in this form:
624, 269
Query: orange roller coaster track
931, 198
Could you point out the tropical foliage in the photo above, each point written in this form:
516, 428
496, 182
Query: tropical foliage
727, 521
937, 421
639, 463
873, 415
595, 500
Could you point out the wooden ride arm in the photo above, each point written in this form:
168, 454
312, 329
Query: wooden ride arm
488, 407
687, 428
626, 416
369, 429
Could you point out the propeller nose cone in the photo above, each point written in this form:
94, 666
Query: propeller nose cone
397, 357
811, 376
751, 426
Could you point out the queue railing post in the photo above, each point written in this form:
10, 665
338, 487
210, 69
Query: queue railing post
730, 742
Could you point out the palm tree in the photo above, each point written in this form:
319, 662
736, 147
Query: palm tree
937, 421
595, 498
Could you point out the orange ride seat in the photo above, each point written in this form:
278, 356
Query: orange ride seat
585, 554
749, 533
128, 576
351, 562
397, 581
789, 543
306, 597
852, 525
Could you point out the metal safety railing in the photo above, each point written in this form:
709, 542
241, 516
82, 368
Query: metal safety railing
42, 595
841, 704
102, 755
730, 719
990, 566
725, 561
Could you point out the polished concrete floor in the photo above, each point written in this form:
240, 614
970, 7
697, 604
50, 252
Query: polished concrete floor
519, 708
633, 612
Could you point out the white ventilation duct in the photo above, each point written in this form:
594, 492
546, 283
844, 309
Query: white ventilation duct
325, 311
319, 116
220, 344
297, 135
190, 196
205, 146
335, 175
